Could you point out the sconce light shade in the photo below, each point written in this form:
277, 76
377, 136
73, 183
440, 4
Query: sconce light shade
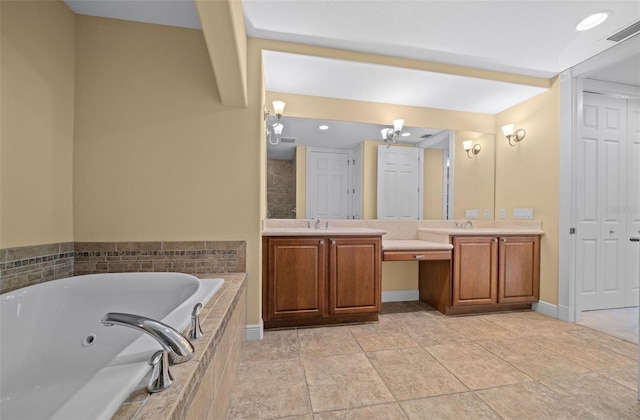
508, 129
397, 125
513, 136
274, 129
278, 107
384, 133
470, 148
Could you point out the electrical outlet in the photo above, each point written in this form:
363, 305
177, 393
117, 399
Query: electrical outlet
503, 213
487, 213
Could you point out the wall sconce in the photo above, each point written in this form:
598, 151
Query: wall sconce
471, 148
513, 136
390, 135
274, 127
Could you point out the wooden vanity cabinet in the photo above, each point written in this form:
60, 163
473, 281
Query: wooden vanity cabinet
320, 280
490, 273
475, 271
354, 276
519, 272
296, 273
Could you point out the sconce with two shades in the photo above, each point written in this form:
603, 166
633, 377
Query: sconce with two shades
391, 135
470, 148
274, 128
513, 136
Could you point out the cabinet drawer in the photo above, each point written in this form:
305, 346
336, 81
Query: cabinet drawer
417, 255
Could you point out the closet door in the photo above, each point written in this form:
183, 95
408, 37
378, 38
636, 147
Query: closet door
602, 199
399, 183
328, 183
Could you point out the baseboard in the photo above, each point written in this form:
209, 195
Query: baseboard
564, 314
545, 308
255, 331
400, 295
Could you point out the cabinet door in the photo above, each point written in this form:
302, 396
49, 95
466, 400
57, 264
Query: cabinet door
354, 275
296, 280
475, 270
519, 278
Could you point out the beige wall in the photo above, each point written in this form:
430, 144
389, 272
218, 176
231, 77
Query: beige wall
36, 127
474, 177
432, 198
157, 157
527, 175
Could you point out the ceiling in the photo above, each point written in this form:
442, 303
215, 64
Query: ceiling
524, 37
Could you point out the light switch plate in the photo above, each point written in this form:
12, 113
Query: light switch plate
471, 214
487, 213
503, 213
523, 213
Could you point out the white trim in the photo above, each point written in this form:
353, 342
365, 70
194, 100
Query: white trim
545, 308
452, 153
400, 295
255, 331
619, 90
564, 314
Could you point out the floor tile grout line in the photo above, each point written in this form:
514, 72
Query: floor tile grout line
304, 371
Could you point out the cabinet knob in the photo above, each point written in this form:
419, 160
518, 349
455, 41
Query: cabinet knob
322, 242
504, 240
333, 242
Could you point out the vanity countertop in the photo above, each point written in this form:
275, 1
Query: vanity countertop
412, 244
337, 231
482, 231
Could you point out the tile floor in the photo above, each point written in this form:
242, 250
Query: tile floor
417, 364
622, 323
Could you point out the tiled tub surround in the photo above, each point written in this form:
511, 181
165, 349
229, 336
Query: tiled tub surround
191, 257
281, 188
28, 265
25, 266
202, 386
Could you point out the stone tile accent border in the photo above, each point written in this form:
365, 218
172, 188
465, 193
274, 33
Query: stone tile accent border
28, 265
25, 266
191, 257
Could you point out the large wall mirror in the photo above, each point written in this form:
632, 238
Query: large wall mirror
315, 158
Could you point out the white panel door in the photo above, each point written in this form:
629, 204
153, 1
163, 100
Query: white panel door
633, 202
399, 187
602, 190
327, 183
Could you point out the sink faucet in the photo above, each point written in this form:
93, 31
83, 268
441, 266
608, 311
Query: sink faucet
176, 345
317, 224
464, 224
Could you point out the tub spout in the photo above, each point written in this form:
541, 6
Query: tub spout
177, 346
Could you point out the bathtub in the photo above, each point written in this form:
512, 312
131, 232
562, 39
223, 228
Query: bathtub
57, 361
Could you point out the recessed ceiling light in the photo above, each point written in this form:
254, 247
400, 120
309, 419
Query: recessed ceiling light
405, 134
324, 127
592, 21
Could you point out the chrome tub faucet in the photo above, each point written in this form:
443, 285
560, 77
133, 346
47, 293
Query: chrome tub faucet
177, 346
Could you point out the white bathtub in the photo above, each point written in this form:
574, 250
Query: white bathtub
57, 361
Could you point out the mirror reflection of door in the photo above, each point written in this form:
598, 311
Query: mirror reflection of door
399, 183
328, 183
